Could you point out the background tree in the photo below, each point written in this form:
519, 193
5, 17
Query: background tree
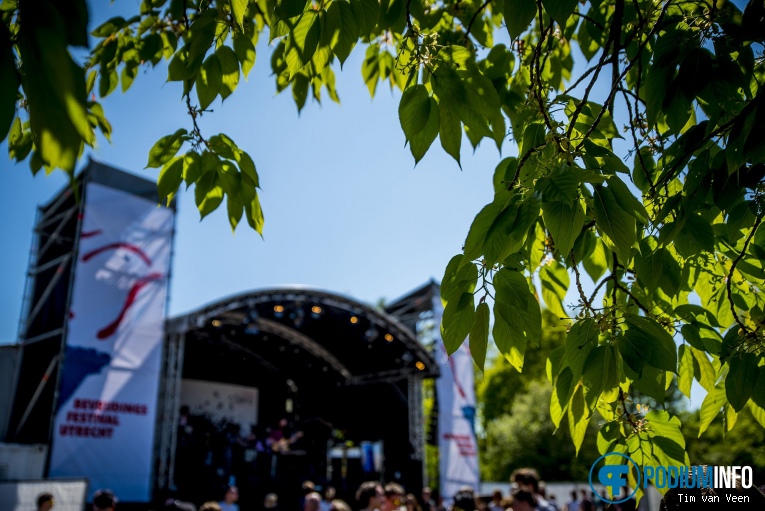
517, 431
664, 215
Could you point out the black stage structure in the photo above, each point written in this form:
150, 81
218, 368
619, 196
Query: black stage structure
316, 358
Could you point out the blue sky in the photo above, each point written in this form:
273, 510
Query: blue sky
346, 209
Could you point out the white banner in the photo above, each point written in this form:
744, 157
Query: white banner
458, 450
104, 424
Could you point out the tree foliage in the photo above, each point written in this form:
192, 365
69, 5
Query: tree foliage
664, 214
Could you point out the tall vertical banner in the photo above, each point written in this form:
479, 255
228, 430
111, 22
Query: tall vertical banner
458, 449
105, 416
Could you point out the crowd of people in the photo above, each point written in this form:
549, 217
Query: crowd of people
527, 493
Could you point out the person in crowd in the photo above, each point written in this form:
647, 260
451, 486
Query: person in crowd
329, 496
271, 502
312, 502
394, 498
339, 505
229, 499
411, 503
179, 505
370, 496
464, 500
496, 501
104, 500
524, 500
573, 504
543, 496
528, 479
210, 506
45, 502
427, 502
585, 503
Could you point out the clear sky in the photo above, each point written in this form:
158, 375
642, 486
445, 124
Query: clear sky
346, 209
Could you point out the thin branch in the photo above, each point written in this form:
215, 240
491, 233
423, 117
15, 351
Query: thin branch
587, 18
612, 276
741, 324
474, 18
582, 296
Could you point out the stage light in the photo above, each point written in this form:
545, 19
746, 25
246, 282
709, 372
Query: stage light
389, 337
216, 323
354, 319
370, 335
315, 312
252, 329
407, 357
278, 308
419, 365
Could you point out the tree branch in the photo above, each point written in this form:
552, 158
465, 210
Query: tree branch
474, 18
741, 324
582, 296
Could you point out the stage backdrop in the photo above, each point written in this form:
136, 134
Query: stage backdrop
105, 417
221, 402
458, 450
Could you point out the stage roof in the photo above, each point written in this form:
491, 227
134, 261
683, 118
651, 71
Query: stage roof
305, 334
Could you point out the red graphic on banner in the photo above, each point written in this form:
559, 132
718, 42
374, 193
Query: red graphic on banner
109, 330
114, 246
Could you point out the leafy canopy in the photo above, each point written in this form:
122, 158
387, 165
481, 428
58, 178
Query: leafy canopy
663, 210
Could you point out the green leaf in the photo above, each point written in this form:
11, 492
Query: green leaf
420, 142
208, 193
742, 373
165, 148
560, 10
517, 308
286, 9
581, 340
578, 418
345, 30
652, 382
209, 81
518, 16
652, 343
238, 8
9, 82
458, 279
254, 213
555, 281
600, 374
710, 408
614, 222
367, 13
304, 41
626, 200
192, 168
685, 370
562, 185
696, 237
229, 65
245, 52
450, 131
414, 110
668, 440
561, 395
457, 321
170, 178
235, 209
479, 335
596, 261
703, 370
564, 221
108, 79
109, 27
